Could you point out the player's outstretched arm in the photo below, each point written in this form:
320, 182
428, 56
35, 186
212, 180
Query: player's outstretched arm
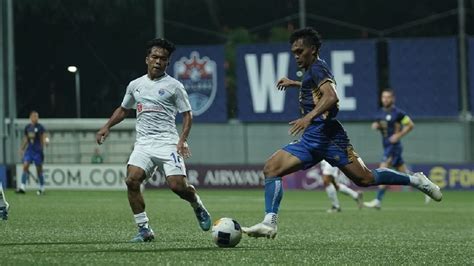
183, 148
119, 114
285, 82
328, 99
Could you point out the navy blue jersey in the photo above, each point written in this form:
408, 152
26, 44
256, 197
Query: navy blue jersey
391, 122
33, 134
317, 73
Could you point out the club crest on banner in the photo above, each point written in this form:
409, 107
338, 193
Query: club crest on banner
199, 77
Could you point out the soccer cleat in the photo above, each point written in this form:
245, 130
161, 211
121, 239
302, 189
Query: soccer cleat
360, 199
20, 191
144, 235
426, 186
333, 209
375, 203
261, 230
4, 211
203, 217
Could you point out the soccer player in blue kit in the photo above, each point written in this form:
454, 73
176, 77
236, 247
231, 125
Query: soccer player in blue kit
32, 151
323, 137
394, 124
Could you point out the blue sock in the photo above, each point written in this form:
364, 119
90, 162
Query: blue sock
24, 177
385, 176
381, 193
273, 194
41, 180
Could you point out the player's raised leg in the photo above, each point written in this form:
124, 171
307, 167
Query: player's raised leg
280, 164
363, 176
355, 195
4, 206
179, 185
135, 176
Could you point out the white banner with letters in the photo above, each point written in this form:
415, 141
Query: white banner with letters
77, 176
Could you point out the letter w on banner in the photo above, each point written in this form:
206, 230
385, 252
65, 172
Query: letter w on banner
259, 67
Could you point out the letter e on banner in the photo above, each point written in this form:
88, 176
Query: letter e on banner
338, 59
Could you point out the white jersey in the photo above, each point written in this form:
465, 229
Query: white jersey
157, 102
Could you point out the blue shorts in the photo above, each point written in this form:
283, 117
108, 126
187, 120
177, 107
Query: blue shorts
323, 140
36, 157
392, 155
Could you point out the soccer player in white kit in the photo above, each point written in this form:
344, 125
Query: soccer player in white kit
157, 97
330, 173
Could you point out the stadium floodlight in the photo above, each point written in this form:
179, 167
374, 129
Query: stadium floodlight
75, 70
72, 69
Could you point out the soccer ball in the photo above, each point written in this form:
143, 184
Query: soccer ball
226, 232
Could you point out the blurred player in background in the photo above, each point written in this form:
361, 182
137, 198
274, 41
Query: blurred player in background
330, 174
394, 124
31, 151
4, 206
323, 137
157, 98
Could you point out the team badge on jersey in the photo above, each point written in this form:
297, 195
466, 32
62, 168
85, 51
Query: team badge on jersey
199, 77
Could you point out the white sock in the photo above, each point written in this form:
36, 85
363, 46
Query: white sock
332, 195
271, 219
348, 191
198, 202
141, 219
22, 186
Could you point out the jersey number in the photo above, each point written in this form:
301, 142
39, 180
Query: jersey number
176, 158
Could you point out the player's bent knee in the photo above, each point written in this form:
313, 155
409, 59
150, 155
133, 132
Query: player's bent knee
270, 170
132, 183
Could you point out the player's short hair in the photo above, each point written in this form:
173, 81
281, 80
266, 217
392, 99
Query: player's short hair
309, 35
160, 42
388, 90
33, 111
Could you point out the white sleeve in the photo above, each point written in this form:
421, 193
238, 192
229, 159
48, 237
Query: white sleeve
128, 101
182, 101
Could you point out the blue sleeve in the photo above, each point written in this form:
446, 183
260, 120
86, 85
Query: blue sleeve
320, 73
41, 129
400, 115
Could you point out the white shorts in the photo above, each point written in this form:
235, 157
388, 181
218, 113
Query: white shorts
328, 169
151, 155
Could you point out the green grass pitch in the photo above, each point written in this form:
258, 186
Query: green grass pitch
92, 228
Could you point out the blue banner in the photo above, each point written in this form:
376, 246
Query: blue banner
201, 70
424, 75
471, 71
260, 66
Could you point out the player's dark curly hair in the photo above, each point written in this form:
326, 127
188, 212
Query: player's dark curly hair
159, 42
309, 35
